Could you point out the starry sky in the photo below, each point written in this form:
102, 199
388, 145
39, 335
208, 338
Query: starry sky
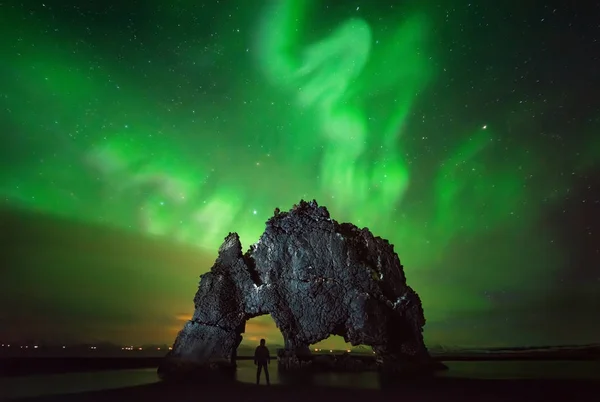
136, 135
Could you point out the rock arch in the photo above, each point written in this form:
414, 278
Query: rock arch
315, 277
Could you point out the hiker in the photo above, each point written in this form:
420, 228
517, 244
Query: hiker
262, 359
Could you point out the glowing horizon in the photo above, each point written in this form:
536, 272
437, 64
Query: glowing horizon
187, 123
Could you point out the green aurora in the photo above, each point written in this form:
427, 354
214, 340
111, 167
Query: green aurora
184, 123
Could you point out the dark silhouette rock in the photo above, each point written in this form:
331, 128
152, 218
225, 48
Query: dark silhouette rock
316, 277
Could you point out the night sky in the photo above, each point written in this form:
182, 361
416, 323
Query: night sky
135, 135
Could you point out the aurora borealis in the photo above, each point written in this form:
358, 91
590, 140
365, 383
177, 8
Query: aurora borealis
136, 135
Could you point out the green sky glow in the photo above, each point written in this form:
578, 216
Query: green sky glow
188, 130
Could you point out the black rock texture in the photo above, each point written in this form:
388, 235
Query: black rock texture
316, 277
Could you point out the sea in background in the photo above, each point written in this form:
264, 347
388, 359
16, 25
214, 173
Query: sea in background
37, 385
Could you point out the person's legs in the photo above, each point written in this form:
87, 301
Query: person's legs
258, 370
267, 374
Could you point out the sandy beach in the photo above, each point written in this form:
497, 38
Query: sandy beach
413, 390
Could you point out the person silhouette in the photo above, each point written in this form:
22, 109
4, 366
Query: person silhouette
262, 359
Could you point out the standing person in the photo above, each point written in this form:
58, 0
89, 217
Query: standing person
262, 359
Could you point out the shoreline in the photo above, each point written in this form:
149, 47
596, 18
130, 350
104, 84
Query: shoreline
24, 366
413, 390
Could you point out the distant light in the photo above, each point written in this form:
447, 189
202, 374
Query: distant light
64, 347
140, 349
8, 346
35, 346
484, 126
170, 348
157, 348
254, 212
2, 345
330, 351
348, 350
316, 350
27, 347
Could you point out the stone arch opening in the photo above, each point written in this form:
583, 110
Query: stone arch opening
257, 328
337, 344
315, 277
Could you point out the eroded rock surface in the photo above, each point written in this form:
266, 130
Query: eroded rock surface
316, 277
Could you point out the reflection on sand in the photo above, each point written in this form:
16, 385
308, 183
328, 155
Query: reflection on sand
69, 383
457, 369
37, 385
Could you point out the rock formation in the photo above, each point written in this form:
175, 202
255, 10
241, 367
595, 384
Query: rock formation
316, 277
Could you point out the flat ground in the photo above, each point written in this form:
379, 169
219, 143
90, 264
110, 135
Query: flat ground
406, 391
